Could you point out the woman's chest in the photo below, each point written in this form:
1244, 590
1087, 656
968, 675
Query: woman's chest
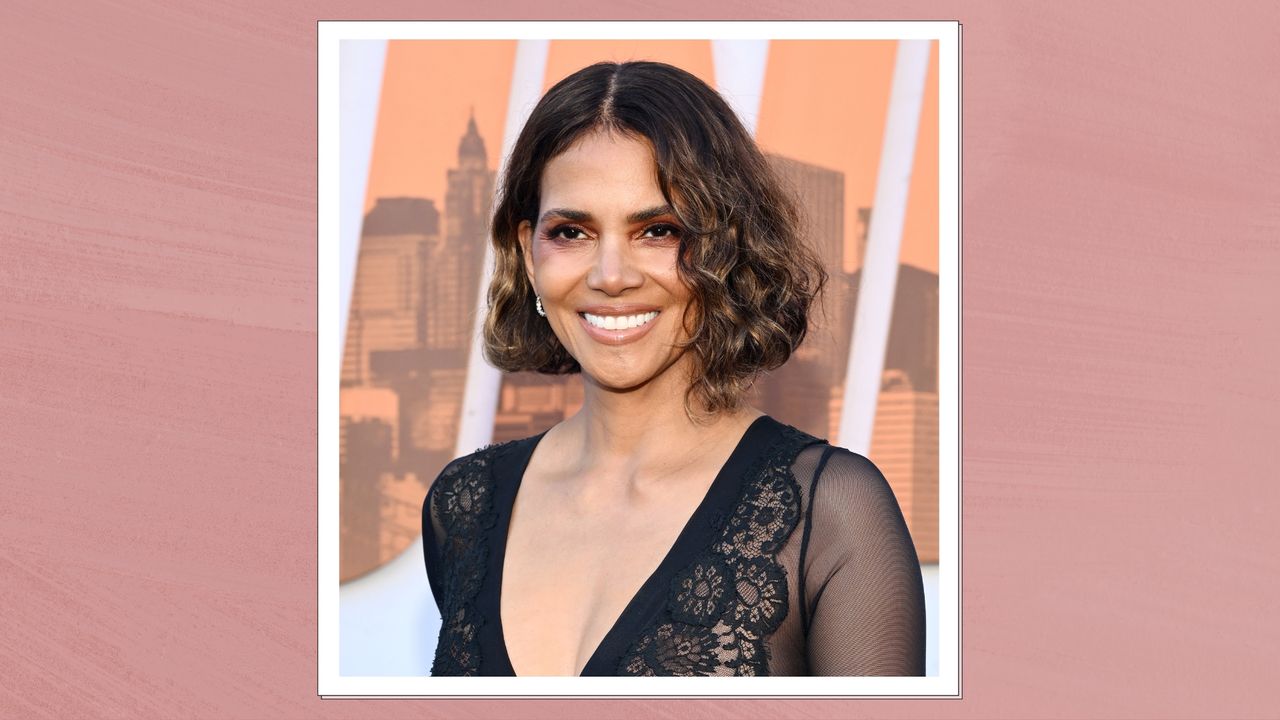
571, 570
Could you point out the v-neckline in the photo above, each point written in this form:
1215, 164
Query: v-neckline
724, 489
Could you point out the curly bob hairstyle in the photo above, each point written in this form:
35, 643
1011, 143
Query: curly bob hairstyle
752, 278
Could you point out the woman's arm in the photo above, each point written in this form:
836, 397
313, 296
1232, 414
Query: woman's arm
862, 589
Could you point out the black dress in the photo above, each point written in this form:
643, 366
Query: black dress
797, 562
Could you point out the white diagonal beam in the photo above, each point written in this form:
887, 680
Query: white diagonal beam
739, 68
884, 241
484, 381
359, 87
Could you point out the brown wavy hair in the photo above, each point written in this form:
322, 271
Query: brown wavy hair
752, 278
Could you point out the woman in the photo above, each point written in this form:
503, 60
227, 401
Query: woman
667, 528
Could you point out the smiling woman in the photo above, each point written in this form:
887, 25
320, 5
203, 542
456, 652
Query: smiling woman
603, 261
667, 528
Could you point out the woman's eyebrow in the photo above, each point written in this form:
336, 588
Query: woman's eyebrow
640, 216
656, 211
566, 213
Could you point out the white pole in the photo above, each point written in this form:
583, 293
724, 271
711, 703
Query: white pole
359, 88
739, 68
480, 396
884, 241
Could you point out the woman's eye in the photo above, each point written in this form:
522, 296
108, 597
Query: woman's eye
663, 232
566, 233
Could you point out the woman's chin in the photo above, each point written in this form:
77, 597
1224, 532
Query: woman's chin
628, 374
618, 385
617, 381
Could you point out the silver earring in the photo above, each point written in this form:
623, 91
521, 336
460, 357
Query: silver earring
537, 304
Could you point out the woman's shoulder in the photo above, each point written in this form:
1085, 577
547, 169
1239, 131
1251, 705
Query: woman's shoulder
837, 461
480, 459
464, 488
850, 506
840, 480
833, 481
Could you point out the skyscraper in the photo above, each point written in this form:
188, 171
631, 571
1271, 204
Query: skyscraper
412, 312
388, 299
368, 444
532, 402
457, 263
798, 393
913, 329
904, 440
820, 192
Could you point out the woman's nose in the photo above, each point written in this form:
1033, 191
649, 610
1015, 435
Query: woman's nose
614, 269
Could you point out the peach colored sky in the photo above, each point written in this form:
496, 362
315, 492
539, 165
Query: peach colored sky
567, 56
428, 89
825, 103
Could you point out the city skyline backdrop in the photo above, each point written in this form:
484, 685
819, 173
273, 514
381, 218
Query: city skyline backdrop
404, 363
800, 118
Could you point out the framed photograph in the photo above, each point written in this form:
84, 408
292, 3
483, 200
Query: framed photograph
858, 121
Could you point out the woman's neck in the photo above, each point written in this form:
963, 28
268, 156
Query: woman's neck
645, 431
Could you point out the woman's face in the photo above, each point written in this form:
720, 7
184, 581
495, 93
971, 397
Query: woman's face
603, 258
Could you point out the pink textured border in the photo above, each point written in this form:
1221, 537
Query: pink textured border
157, 351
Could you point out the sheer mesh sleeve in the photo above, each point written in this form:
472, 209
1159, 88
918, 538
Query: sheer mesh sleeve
862, 596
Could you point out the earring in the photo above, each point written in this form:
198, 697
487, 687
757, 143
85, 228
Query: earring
537, 304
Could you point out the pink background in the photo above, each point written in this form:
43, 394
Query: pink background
158, 350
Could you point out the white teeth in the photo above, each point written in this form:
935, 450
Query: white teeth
613, 322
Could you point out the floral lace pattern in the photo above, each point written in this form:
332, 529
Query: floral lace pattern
723, 605
720, 608
701, 593
463, 501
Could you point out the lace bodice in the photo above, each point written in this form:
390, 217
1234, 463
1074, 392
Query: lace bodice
797, 562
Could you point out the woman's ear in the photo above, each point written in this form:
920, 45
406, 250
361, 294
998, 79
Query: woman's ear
525, 233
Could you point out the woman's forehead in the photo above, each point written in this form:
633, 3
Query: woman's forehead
605, 170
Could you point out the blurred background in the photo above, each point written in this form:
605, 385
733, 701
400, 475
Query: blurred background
423, 125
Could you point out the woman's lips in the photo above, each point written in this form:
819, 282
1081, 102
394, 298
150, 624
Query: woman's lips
617, 337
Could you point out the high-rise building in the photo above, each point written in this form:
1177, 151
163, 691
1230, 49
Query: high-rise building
423, 283
798, 392
389, 295
820, 192
433, 424
913, 328
400, 508
530, 403
861, 230
368, 445
459, 261
412, 312
357, 404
